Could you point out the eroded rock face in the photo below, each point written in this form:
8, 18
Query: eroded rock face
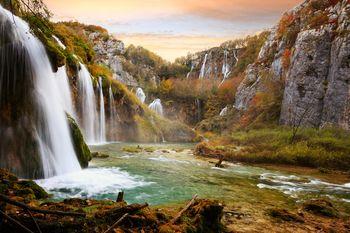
314, 39
306, 81
108, 52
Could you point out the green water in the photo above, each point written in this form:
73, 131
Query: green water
166, 176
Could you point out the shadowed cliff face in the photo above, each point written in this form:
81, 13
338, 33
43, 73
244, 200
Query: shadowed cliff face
17, 115
310, 50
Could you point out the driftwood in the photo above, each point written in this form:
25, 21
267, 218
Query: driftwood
37, 210
117, 223
221, 159
178, 216
15, 222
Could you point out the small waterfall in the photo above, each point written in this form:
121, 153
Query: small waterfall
63, 84
141, 95
224, 111
112, 116
59, 42
157, 106
89, 114
51, 126
202, 73
102, 136
199, 110
189, 73
225, 67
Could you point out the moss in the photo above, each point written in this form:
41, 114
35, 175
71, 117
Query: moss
81, 149
38, 191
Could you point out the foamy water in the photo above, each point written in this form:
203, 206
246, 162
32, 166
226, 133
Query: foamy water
92, 182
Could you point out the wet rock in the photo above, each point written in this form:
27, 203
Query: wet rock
321, 207
81, 149
285, 215
99, 155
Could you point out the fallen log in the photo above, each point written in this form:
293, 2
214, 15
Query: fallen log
37, 210
178, 216
116, 223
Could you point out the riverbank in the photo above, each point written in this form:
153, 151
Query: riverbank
324, 149
25, 207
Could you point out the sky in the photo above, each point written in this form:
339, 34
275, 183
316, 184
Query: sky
173, 28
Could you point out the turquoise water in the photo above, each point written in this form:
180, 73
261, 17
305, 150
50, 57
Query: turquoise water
171, 174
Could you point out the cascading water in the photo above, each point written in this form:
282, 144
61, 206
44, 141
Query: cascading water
225, 67
202, 73
63, 84
224, 111
102, 136
189, 73
59, 42
20, 50
89, 116
112, 116
141, 95
157, 106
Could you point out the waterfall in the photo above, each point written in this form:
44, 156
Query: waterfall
224, 111
51, 127
189, 73
112, 116
59, 42
141, 95
102, 136
202, 73
157, 106
89, 114
63, 85
225, 67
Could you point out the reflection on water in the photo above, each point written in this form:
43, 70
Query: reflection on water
172, 174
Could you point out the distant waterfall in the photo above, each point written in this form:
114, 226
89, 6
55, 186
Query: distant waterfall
202, 73
141, 95
189, 73
225, 67
63, 84
224, 111
102, 136
112, 116
157, 106
59, 42
23, 56
89, 116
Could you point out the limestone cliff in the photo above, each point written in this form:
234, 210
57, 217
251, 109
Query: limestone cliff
309, 50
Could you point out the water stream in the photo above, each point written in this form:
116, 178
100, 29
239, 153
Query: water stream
171, 174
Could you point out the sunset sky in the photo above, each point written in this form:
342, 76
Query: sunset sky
172, 28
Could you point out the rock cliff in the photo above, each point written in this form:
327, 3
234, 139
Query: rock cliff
309, 50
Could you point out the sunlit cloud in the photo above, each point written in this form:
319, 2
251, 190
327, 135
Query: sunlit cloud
172, 28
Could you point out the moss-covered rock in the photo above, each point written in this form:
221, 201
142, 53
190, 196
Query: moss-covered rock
321, 207
81, 149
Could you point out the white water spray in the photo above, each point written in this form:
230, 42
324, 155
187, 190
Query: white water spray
225, 67
102, 136
55, 144
157, 106
189, 73
141, 95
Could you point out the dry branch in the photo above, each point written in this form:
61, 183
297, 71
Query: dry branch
37, 210
178, 216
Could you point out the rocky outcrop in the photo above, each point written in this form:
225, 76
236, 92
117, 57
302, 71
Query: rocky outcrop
81, 149
109, 52
308, 50
307, 78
